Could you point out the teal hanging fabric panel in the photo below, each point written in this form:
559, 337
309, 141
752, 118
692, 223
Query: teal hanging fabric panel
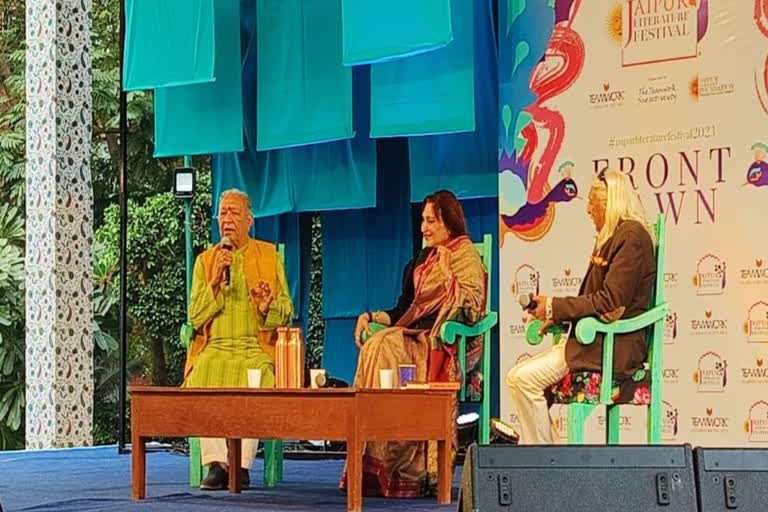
431, 93
263, 175
338, 175
206, 118
330, 176
384, 30
304, 93
465, 163
168, 43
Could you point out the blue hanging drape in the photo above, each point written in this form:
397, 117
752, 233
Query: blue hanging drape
465, 163
206, 118
168, 43
382, 30
364, 254
430, 93
329, 176
304, 93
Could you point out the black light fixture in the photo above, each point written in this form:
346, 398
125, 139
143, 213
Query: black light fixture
184, 182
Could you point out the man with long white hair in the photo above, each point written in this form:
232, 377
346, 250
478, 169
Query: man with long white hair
618, 284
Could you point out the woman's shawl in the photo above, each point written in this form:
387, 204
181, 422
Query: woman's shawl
458, 295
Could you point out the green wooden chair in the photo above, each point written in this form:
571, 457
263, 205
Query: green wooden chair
273, 448
588, 390
455, 332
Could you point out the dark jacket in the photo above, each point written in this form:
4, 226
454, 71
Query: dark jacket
624, 279
408, 294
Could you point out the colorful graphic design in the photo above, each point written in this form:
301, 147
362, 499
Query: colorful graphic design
761, 82
527, 199
757, 175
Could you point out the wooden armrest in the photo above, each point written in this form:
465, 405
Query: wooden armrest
587, 328
451, 330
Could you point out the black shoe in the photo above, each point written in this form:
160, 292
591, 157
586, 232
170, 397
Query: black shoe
217, 479
245, 478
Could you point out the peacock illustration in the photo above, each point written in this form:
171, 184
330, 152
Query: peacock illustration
533, 219
757, 175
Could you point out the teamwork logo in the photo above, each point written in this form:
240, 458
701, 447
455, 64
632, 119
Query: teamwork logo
711, 423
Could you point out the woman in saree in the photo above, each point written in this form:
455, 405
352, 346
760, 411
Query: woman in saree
446, 281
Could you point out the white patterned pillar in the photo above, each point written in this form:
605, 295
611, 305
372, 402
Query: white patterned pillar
59, 354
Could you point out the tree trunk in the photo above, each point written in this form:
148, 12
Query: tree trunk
159, 368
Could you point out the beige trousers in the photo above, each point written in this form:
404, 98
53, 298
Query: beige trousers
527, 381
215, 450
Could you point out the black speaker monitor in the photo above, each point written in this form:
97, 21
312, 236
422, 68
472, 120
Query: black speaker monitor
731, 479
499, 478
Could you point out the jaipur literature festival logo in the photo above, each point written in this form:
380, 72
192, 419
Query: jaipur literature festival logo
756, 425
756, 326
711, 375
670, 327
559, 415
670, 421
710, 276
526, 281
654, 31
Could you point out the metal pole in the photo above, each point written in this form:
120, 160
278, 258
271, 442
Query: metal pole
123, 179
188, 236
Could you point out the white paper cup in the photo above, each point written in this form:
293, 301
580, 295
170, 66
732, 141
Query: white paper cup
254, 377
313, 374
387, 379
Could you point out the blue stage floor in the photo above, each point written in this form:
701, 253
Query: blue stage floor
92, 479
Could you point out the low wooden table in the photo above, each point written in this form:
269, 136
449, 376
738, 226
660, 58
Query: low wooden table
341, 414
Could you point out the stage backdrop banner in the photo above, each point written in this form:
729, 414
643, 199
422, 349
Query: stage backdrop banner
383, 30
168, 43
206, 118
675, 94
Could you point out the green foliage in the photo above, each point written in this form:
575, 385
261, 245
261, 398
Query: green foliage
156, 274
12, 203
156, 284
315, 324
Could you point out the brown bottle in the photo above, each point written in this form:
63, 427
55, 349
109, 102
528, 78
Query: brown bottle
281, 362
296, 358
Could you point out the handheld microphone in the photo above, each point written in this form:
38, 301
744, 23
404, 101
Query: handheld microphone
527, 302
226, 244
